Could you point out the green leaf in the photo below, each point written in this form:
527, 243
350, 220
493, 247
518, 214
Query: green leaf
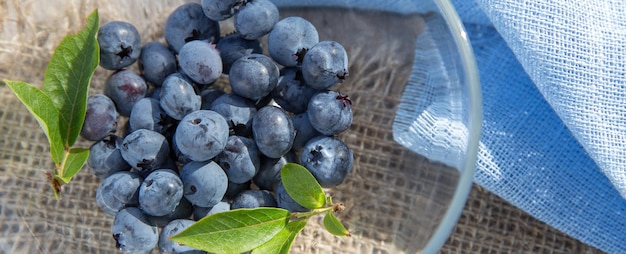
334, 226
234, 231
67, 77
281, 243
302, 186
47, 115
74, 161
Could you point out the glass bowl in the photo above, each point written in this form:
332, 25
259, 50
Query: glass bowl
417, 113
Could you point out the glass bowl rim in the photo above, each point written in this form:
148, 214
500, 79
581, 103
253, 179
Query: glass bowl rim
461, 193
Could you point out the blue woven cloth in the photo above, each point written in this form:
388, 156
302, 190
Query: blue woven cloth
553, 76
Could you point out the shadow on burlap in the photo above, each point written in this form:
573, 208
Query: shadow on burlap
380, 210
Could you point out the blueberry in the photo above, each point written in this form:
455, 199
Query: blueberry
292, 93
147, 114
233, 47
330, 112
253, 76
325, 65
200, 61
273, 131
253, 199
100, 118
304, 131
156, 62
240, 159
235, 188
204, 184
187, 23
255, 19
238, 112
117, 191
120, 45
145, 150
219, 10
133, 232
269, 173
170, 247
105, 157
183, 211
178, 97
208, 96
329, 160
201, 212
160, 192
201, 135
283, 200
289, 40
125, 88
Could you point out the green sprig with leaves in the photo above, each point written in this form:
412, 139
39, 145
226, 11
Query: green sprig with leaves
60, 105
266, 230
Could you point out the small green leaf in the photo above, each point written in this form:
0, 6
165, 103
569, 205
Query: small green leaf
47, 115
74, 161
334, 226
234, 231
67, 77
302, 186
281, 243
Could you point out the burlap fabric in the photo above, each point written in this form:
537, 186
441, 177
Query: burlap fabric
384, 213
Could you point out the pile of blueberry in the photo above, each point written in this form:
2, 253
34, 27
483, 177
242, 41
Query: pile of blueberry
192, 149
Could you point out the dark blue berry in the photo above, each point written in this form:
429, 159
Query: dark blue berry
328, 159
253, 199
156, 62
125, 88
117, 191
120, 45
204, 183
188, 23
201, 135
134, 232
330, 112
273, 131
100, 118
105, 157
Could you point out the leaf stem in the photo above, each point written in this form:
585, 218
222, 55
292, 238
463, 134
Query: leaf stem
61, 166
305, 215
